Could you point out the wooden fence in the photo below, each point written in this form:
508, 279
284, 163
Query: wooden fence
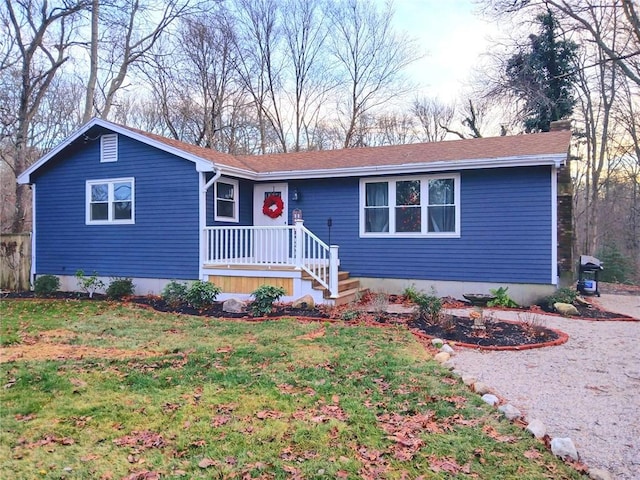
15, 261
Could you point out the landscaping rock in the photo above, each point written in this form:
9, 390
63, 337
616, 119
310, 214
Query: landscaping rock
449, 364
437, 342
599, 474
582, 301
565, 309
537, 428
468, 380
564, 448
305, 302
509, 411
490, 399
481, 388
442, 357
233, 305
446, 348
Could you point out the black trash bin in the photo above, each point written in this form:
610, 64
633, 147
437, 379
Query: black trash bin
588, 275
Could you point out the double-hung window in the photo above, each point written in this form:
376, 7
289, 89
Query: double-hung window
110, 201
410, 206
226, 201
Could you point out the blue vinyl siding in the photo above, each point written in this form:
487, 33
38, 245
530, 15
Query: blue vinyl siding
245, 208
163, 242
505, 230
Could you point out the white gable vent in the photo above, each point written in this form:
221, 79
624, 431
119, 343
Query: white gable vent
109, 148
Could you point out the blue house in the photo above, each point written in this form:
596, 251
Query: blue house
460, 216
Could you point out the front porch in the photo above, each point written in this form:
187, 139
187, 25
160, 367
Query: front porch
240, 259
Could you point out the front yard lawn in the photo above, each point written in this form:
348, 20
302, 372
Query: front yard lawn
102, 390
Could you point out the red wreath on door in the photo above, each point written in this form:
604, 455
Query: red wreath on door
273, 206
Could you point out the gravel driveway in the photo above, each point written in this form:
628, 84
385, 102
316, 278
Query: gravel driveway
587, 389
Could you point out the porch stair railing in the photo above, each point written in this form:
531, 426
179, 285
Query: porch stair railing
292, 246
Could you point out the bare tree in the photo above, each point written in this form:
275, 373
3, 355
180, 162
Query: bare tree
305, 31
42, 35
472, 118
260, 64
612, 25
370, 56
130, 30
434, 116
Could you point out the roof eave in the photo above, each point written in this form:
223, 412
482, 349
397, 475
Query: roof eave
555, 160
202, 165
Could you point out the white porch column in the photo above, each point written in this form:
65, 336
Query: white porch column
299, 243
333, 270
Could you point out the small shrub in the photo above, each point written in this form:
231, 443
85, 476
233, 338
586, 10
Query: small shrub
502, 298
90, 284
264, 297
46, 285
429, 306
562, 295
202, 294
119, 288
532, 324
174, 293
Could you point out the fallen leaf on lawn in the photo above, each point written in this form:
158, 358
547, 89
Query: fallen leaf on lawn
24, 418
532, 454
264, 414
89, 458
206, 463
143, 475
219, 420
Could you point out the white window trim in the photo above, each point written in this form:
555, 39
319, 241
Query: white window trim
236, 200
112, 155
423, 205
110, 182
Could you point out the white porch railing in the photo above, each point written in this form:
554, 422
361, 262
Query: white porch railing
281, 246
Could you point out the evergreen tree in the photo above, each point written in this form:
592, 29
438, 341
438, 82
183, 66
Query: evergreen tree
542, 75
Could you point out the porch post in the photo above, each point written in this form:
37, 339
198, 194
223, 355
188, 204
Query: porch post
333, 270
299, 243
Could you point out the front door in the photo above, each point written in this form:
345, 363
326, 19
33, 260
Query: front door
270, 245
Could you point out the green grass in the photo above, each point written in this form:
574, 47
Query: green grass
225, 399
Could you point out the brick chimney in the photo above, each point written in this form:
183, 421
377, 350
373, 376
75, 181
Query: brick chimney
566, 235
559, 125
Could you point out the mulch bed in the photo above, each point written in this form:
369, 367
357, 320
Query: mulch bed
498, 335
281, 310
591, 313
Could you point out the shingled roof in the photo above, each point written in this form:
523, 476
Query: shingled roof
548, 148
548, 144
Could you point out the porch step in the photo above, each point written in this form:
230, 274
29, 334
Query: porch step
348, 288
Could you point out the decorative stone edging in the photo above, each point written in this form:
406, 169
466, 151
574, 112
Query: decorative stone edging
561, 447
